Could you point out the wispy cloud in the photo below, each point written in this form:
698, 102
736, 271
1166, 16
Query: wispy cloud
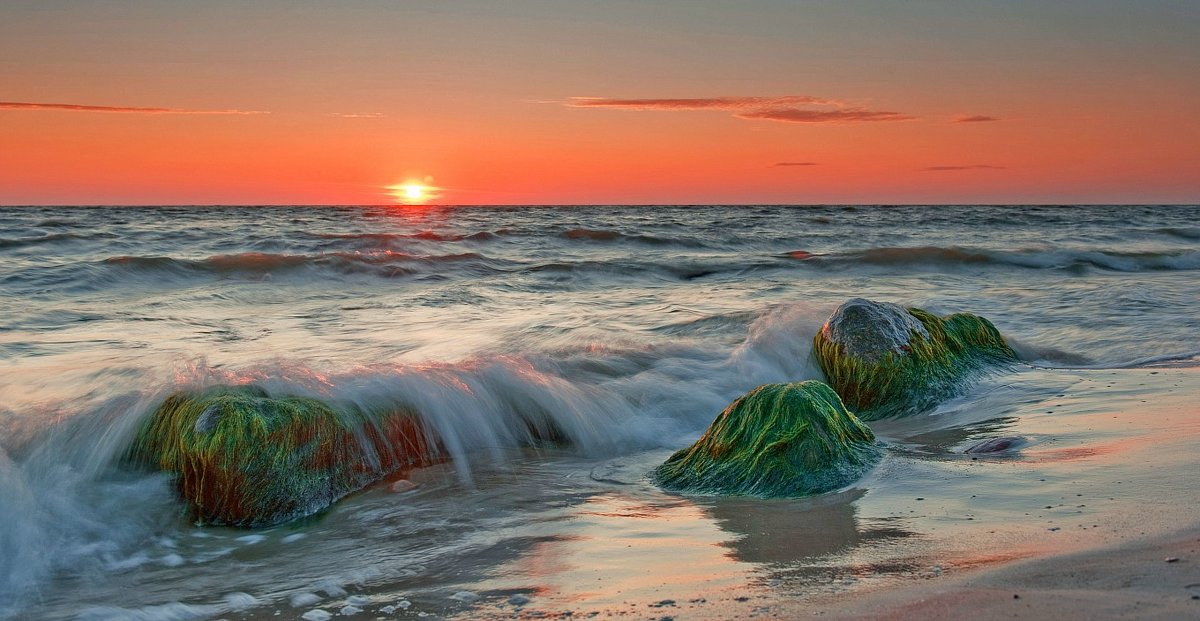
22, 105
784, 108
974, 118
784, 164
359, 115
704, 103
963, 167
848, 115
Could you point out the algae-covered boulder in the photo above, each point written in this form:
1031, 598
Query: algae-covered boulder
885, 360
244, 458
778, 440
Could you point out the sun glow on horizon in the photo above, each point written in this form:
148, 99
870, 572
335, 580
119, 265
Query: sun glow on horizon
414, 192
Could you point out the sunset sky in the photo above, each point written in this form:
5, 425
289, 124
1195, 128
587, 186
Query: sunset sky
566, 102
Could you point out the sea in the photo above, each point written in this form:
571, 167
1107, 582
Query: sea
629, 327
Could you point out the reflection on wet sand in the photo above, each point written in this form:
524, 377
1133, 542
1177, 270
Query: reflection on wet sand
782, 532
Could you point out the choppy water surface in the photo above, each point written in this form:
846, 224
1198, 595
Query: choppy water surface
630, 326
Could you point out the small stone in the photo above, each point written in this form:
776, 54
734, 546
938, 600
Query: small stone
401, 486
1015, 596
300, 600
316, 614
518, 599
1171, 559
995, 445
465, 597
347, 611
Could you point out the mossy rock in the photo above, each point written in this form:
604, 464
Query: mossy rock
885, 360
778, 440
244, 458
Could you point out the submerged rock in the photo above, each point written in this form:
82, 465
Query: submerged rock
885, 360
244, 458
995, 445
778, 440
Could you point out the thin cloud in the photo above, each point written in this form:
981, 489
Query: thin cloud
964, 167
704, 103
21, 105
974, 118
785, 164
784, 108
798, 115
359, 115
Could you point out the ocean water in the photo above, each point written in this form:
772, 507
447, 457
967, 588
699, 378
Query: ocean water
628, 327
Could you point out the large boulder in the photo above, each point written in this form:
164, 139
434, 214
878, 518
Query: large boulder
778, 440
885, 360
244, 458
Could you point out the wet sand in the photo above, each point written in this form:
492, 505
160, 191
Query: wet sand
1154, 578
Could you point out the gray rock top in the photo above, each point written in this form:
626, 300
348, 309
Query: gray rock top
869, 330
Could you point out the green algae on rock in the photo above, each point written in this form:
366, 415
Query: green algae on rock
244, 458
885, 360
778, 440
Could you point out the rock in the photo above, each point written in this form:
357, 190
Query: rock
778, 440
244, 458
995, 445
885, 360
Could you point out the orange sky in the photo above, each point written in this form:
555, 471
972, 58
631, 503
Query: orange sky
599, 102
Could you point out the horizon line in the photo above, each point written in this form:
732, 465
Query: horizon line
600, 204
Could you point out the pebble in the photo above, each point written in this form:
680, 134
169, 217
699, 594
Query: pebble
1171, 559
347, 611
403, 485
301, 600
518, 600
316, 614
240, 601
358, 600
403, 604
465, 597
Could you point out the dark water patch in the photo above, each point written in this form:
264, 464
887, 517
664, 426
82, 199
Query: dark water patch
1180, 232
601, 235
686, 270
1069, 260
592, 234
22, 242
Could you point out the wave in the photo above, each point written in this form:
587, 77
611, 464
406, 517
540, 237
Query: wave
72, 504
1067, 260
1182, 232
605, 235
261, 264
22, 242
421, 235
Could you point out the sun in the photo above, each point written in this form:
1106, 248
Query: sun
413, 192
